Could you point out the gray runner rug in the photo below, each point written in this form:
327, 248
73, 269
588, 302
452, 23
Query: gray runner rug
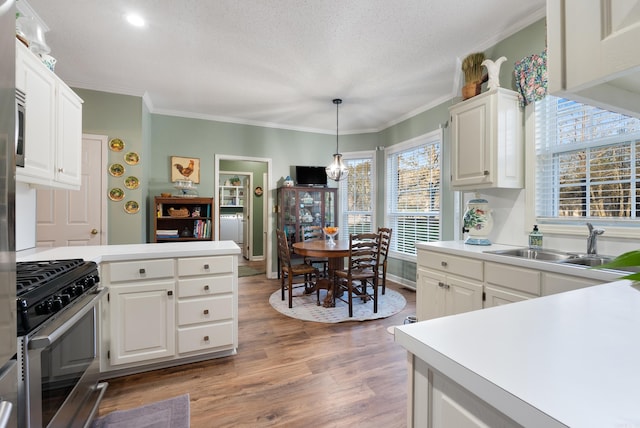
171, 413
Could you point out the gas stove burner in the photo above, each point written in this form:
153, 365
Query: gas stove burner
31, 274
45, 288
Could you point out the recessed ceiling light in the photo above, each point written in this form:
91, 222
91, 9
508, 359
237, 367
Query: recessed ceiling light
135, 20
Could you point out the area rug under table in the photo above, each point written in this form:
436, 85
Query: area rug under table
305, 307
171, 413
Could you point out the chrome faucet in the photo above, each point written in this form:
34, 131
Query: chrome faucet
591, 239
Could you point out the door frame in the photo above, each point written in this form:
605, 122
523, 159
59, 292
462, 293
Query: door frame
246, 210
269, 201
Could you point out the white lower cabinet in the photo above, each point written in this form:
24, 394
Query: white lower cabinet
207, 304
553, 283
162, 312
142, 322
447, 285
508, 284
442, 403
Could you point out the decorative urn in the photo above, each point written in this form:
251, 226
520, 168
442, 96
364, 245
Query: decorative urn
478, 222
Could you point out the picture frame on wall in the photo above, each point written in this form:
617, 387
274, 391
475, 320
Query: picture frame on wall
184, 168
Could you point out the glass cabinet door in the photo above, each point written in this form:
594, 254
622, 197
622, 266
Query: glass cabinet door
329, 209
290, 213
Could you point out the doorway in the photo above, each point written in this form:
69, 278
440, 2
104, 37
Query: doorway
260, 203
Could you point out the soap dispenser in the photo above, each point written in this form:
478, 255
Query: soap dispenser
535, 238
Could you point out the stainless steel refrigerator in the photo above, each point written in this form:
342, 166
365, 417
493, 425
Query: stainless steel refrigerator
8, 338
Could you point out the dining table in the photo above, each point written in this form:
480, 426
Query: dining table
335, 252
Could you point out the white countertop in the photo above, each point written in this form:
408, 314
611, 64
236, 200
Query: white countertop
480, 252
108, 253
568, 359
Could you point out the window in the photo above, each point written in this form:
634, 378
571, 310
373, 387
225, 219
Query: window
587, 163
413, 192
357, 195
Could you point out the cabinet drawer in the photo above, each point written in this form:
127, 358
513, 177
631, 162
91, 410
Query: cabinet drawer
205, 286
205, 265
553, 283
205, 310
452, 264
513, 277
141, 269
205, 337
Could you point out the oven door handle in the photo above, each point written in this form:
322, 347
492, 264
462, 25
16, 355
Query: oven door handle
5, 413
63, 325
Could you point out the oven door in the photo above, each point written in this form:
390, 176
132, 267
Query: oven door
61, 388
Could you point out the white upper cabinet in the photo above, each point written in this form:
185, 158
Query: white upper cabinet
486, 140
53, 126
594, 52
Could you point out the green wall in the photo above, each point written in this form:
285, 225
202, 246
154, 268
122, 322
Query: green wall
158, 137
120, 116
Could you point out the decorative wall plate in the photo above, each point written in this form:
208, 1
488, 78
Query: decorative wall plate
116, 169
116, 194
131, 182
132, 207
116, 144
132, 158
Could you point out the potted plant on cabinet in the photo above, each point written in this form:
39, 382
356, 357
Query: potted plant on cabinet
473, 77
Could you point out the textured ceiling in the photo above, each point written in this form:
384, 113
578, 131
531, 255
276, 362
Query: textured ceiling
279, 62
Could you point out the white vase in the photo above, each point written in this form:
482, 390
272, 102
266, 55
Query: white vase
478, 222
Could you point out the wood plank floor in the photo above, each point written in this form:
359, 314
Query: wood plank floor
287, 373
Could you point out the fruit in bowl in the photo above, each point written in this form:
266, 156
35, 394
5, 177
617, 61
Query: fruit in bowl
330, 230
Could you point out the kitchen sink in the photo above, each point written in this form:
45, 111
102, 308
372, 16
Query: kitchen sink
527, 253
589, 261
554, 256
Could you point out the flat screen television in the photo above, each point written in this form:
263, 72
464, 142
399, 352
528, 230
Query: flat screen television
311, 176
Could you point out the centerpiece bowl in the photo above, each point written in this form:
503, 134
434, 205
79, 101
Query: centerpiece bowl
331, 232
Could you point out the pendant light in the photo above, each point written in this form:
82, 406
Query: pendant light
337, 170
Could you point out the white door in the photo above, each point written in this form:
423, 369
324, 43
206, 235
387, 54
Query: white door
68, 218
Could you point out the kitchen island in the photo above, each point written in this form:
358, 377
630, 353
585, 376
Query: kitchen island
569, 359
167, 303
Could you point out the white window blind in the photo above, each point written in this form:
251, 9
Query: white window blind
413, 192
587, 162
357, 196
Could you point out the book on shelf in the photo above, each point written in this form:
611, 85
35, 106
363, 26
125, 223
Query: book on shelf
164, 233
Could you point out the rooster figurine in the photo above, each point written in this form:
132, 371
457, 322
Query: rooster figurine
185, 171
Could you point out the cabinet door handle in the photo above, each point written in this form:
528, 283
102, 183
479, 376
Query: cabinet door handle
206, 311
206, 338
206, 266
142, 271
206, 288
486, 172
440, 284
443, 264
169, 293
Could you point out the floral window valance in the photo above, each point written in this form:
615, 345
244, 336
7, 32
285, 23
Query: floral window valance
531, 78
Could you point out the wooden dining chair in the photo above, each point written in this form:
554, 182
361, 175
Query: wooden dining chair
385, 242
362, 269
315, 233
291, 271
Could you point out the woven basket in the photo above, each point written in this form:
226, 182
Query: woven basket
182, 212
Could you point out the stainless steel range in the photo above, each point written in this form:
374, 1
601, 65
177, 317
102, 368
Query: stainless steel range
57, 347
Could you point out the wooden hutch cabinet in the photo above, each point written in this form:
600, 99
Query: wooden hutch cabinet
305, 206
183, 219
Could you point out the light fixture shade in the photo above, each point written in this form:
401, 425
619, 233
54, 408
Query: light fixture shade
337, 170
